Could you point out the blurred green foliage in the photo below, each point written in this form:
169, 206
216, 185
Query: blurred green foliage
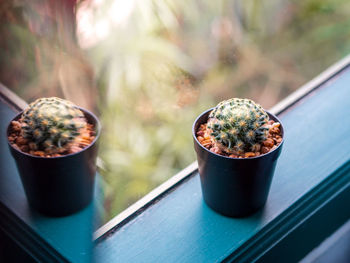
153, 66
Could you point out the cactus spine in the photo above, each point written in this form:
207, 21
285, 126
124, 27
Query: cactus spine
238, 126
51, 123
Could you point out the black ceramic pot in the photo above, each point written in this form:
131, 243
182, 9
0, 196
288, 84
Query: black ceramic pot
234, 187
59, 186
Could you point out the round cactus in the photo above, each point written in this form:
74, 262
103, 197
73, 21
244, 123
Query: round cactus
51, 123
238, 126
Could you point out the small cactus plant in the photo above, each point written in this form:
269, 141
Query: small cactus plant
238, 126
51, 123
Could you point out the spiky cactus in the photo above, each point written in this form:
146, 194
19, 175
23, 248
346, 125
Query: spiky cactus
51, 123
238, 126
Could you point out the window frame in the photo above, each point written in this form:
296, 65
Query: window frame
165, 189
137, 208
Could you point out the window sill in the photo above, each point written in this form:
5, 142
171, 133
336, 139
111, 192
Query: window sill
311, 186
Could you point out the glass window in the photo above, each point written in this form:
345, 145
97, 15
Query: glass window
149, 67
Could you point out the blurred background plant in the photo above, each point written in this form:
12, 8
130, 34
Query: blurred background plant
149, 67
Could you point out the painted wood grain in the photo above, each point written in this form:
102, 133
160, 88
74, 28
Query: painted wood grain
181, 228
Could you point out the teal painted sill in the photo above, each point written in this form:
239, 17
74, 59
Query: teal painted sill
335, 248
308, 200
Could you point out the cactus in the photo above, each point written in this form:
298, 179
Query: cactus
238, 126
51, 123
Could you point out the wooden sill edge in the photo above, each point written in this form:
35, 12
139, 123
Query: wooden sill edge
137, 208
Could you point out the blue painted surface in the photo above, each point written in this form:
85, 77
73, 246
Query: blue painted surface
70, 236
181, 228
333, 249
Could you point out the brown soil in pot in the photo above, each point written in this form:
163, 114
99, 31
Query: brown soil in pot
86, 137
273, 139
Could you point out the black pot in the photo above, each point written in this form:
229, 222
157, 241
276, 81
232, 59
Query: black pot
234, 187
59, 186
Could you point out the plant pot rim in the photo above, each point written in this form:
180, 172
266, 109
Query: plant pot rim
235, 158
85, 111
